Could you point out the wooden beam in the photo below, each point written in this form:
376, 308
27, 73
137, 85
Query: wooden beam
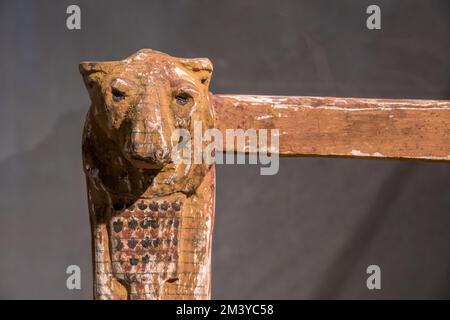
348, 127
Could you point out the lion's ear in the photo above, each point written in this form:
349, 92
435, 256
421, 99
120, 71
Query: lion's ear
88, 67
93, 73
201, 66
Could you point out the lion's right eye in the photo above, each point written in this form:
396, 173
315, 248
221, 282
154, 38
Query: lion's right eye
183, 98
117, 95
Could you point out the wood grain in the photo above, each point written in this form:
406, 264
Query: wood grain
348, 127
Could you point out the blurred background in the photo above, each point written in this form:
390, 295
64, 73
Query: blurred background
308, 232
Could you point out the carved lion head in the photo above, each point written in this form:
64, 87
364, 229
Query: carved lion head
139, 102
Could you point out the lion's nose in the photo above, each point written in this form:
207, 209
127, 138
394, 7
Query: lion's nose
149, 146
155, 156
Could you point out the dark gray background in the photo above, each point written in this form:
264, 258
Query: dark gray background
308, 232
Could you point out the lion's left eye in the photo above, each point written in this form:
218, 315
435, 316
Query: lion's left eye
117, 95
182, 99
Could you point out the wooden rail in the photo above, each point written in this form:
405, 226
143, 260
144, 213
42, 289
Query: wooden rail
347, 127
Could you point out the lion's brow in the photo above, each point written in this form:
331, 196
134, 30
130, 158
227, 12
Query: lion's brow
181, 83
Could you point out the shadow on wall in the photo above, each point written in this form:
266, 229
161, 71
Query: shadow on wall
338, 272
45, 221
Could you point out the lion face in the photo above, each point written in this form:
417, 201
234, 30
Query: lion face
139, 102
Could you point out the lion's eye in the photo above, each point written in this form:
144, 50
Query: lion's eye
182, 99
117, 95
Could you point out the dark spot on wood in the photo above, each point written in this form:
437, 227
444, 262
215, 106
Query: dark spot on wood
134, 261
176, 206
165, 205
156, 242
153, 206
146, 259
145, 224
132, 224
117, 226
146, 242
154, 223
132, 243
142, 205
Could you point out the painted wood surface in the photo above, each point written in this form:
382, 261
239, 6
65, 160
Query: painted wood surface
347, 127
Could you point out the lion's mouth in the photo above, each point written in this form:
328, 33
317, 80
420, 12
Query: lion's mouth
153, 158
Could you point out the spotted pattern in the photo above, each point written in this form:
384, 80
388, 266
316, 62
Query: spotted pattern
145, 238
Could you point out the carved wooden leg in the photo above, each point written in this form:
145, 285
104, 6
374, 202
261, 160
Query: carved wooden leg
196, 238
158, 248
106, 286
151, 215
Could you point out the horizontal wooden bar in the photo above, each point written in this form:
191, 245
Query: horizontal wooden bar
350, 127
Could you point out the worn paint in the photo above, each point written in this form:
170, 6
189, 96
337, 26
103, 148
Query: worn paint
358, 153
